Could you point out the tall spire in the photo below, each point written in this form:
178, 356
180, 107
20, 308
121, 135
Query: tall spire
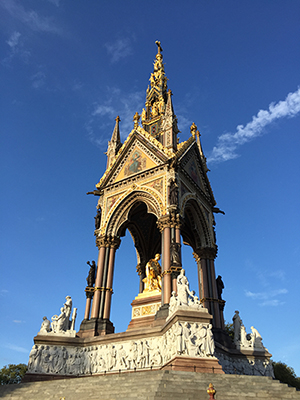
114, 144
158, 107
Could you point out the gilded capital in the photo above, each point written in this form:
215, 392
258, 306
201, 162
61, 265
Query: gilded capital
108, 241
171, 220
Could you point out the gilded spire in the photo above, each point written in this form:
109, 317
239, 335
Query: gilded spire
158, 116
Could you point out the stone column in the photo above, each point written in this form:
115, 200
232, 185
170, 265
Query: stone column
98, 282
169, 227
207, 283
114, 244
167, 265
89, 295
176, 268
215, 295
104, 280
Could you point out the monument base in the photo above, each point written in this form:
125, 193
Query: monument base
182, 343
194, 364
144, 309
95, 327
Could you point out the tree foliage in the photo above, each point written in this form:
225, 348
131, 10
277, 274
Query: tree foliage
12, 373
229, 329
286, 374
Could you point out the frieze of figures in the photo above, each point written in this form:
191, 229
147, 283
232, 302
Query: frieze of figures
183, 338
245, 366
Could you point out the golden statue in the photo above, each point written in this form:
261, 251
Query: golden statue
143, 115
153, 275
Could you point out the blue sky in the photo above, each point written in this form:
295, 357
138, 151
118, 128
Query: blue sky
68, 69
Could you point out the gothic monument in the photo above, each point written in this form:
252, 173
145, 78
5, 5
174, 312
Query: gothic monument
158, 189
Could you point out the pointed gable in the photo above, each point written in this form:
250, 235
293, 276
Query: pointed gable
139, 153
193, 168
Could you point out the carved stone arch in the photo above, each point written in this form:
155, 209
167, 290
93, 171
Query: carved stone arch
195, 230
121, 213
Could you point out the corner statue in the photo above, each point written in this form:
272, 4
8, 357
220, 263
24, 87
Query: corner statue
153, 275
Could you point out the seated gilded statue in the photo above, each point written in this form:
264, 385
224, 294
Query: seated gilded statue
153, 275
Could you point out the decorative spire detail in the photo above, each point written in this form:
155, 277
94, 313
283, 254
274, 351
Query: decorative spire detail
196, 135
158, 116
157, 91
136, 119
114, 144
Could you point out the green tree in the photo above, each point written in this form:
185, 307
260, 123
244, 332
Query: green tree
229, 329
286, 374
12, 373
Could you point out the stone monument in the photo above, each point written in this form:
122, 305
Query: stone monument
157, 188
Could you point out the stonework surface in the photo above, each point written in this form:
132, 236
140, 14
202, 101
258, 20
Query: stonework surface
152, 385
183, 338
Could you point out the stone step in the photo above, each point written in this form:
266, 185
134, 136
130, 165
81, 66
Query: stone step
152, 385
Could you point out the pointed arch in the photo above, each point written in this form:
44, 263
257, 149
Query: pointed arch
195, 230
121, 213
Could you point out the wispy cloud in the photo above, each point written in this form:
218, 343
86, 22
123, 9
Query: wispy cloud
55, 2
16, 348
101, 121
267, 297
38, 80
30, 18
119, 49
16, 49
228, 142
14, 40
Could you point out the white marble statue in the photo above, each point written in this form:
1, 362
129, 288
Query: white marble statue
45, 327
256, 339
241, 339
185, 297
183, 289
61, 324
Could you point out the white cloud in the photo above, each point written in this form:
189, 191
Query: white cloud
14, 40
228, 142
38, 80
267, 297
55, 2
16, 348
102, 120
16, 49
119, 49
30, 17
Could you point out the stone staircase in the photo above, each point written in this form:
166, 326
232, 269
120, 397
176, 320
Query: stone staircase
152, 385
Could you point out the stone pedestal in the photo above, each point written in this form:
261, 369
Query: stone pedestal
194, 364
95, 327
144, 309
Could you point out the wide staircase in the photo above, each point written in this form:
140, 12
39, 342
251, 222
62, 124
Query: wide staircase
152, 385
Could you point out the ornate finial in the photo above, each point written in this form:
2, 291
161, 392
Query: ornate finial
159, 48
193, 129
211, 391
136, 119
118, 119
170, 92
